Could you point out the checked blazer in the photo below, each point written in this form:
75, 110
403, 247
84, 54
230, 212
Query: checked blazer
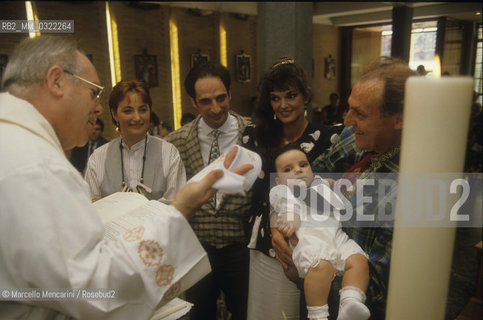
227, 225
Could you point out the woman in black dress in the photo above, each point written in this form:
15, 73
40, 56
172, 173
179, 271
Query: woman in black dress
280, 120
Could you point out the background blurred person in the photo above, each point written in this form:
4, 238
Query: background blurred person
421, 70
187, 118
153, 124
80, 155
164, 129
332, 113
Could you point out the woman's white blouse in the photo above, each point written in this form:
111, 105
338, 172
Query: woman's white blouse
173, 169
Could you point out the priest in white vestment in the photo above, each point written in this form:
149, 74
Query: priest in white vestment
51, 236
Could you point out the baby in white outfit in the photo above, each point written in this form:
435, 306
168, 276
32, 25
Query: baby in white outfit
322, 249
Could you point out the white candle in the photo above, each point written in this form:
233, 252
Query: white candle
435, 124
435, 127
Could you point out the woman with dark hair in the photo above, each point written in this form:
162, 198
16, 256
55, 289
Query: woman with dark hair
280, 119
136, 161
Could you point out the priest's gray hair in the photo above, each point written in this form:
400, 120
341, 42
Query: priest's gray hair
32, 58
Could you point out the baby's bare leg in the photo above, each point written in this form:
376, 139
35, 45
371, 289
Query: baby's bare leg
317, 285
354, 285
356, 272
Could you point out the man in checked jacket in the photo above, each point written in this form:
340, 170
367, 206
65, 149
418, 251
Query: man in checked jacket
221, 224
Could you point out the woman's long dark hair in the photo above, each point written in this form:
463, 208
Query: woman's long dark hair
283, 75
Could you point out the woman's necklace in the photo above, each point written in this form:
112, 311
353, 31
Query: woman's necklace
141, 185
299, 133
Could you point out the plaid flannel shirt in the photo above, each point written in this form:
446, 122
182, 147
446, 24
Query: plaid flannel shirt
341, 155
227, 224
376, 240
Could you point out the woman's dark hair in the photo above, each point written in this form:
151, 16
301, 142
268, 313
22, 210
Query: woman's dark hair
122, 88
283, 75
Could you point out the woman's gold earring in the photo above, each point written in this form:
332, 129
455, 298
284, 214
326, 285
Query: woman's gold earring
274, 117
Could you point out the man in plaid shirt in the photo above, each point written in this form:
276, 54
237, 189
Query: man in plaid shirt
221, 224
369, 149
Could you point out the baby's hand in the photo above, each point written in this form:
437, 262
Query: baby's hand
287, 230
288, 223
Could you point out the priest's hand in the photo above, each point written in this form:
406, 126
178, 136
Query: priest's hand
194, 194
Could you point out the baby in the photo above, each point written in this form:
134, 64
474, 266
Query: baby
323, 249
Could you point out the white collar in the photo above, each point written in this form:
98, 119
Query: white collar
205, 129
22, 113
135, 147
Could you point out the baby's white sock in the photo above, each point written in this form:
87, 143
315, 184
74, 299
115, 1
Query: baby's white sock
352, 305
318, 312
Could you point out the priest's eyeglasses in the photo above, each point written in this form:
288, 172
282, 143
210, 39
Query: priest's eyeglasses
97, 93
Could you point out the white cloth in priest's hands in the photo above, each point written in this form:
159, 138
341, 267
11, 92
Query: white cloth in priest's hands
231, 182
